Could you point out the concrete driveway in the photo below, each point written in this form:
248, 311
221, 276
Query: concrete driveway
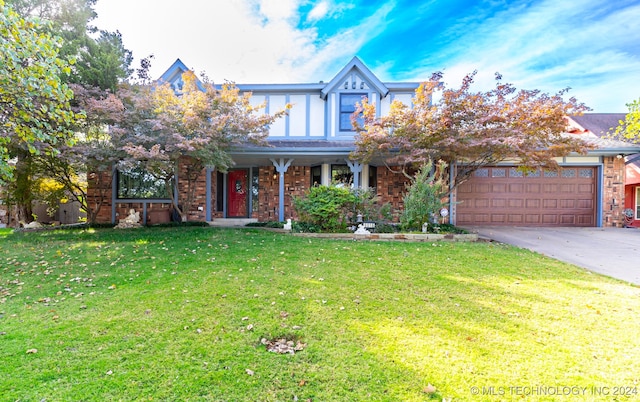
613, 252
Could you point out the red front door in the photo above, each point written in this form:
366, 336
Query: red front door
237, 183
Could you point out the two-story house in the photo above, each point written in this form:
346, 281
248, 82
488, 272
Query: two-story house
312, 146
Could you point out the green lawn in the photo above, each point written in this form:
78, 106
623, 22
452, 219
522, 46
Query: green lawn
179, 313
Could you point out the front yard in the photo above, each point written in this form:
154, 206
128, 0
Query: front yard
188, 314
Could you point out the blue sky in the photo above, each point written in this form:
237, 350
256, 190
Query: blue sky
591, 46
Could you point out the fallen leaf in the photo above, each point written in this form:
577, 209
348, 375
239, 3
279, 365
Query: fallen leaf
109, 372
32, 351
249, 372
429, 389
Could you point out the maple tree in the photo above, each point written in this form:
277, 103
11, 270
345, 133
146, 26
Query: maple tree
196, 127
629, 128
469, 129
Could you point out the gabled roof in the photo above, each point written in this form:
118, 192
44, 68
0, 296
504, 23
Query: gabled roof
355, 65
598, 123
174, 74
594, 128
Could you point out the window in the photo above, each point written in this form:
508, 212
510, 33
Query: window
254, 189
341, 175
637, 202
347, 108
219, 191
373, 178
137, 183
316, 176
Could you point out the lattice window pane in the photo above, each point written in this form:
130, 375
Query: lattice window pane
587, 173
535, 173
498, 172
568, 173
550, 173
484, 172
513, 172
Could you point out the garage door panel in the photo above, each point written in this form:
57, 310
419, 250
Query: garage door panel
499, 203
499, 188
584, 204
566, 198
516, 219
564, 204
568, 220
585, 188
532, 203
532, 219
533, 188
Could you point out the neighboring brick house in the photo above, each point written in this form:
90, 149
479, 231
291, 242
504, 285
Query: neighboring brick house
312, 145
600, 125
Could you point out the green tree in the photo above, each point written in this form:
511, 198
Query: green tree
35, 103
101, 63
629, 128
101, 58
424, 197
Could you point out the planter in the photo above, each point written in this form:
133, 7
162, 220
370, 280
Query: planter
159, 215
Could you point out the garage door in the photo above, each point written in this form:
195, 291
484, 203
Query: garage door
505, 196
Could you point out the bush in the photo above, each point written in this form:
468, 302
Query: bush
325, 207
366, 203
424, 196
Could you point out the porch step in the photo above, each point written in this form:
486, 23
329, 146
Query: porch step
232, 222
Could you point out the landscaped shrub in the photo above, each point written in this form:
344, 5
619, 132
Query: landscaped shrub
424, 197
367, 204
326, 207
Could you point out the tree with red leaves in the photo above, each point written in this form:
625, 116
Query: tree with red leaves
470, 129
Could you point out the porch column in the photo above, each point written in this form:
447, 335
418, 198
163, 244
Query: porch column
356, 169
281, 167
208, 192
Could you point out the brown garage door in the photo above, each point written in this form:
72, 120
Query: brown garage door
505, 196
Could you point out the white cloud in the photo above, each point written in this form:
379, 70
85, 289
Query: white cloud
550, 46
318, 12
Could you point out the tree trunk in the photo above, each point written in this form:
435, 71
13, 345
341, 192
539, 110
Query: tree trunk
22, 190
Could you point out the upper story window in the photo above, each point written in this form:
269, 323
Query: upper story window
347, 108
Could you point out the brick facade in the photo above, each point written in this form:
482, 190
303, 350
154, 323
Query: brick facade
391, 187
297, 181
613, 188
